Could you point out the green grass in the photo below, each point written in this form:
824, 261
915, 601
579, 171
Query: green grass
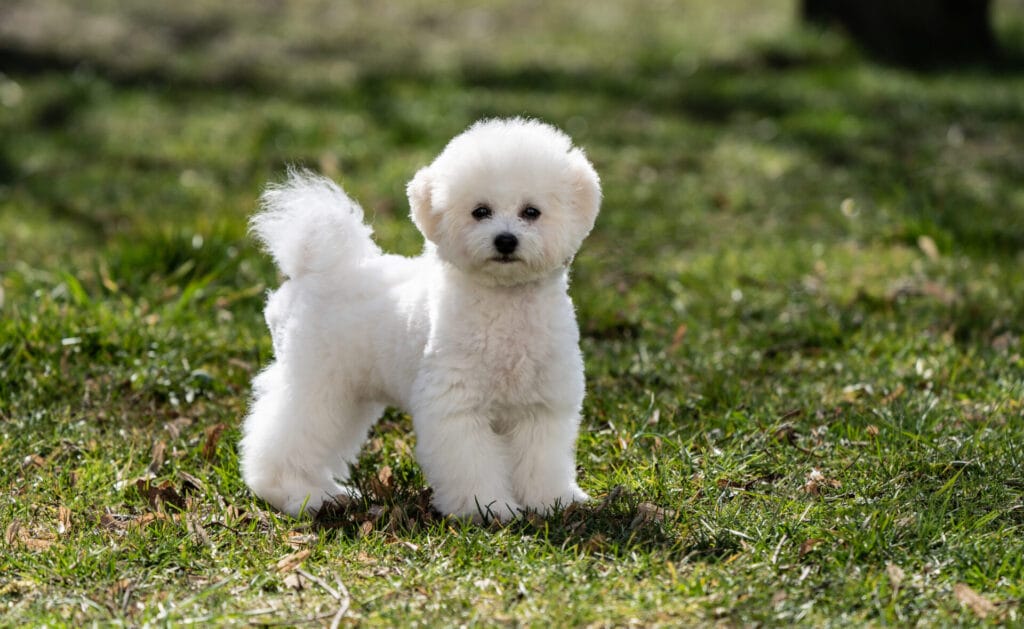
802, 312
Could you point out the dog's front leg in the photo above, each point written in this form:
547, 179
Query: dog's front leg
543, 461
466, 464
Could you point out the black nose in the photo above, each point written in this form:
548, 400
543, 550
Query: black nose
505, 243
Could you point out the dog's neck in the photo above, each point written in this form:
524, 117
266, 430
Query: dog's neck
557, 280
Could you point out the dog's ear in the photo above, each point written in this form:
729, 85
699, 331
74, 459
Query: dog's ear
420, 206
586, 186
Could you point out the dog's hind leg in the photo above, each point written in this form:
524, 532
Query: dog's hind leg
351, 434
294, 436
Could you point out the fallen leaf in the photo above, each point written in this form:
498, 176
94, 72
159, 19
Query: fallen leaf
190, 484
212, 438
376, 512
423, 503
927, 245
63, 520
397, 520
175, 426
385, 475
106, 280
289, 563
238, 362
156, 456
128, 482
402, 447
779, 597
17, 534
872, 430
786, 433
977, 603
896, 575
906, 520
17, 587
383, 483
484, 584
33, 460
394, 539
148, 518
298, 539
677, 338
595, 543
295, 581
649, 512
37, 543
329, 163
195, 527
816, 480
654, 512
939, 292
809, 545
120, 522
616, 492
120, 587
1004, 341
11, 533
164, 493
535, 519
853, 392
897, 392
112, 522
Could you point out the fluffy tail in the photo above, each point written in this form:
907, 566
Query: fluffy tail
310, 225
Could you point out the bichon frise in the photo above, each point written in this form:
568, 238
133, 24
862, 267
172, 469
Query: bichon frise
476, 338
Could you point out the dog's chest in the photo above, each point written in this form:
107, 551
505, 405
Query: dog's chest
516, 357
508, 356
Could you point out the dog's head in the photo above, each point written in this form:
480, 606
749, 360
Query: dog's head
508, 201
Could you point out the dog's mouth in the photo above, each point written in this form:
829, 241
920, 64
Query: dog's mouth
505, 259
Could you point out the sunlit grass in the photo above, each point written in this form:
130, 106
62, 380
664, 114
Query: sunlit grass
801, 313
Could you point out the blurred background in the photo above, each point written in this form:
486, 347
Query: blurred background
739, 142
101, 97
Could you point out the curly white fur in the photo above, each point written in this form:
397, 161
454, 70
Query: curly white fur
479, 346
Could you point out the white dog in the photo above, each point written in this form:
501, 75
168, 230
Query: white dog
476, 338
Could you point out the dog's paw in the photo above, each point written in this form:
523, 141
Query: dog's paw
557, 500
297, 496
575, 495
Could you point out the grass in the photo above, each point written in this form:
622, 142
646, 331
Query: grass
802, 312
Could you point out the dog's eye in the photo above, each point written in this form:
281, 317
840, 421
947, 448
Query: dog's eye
481, 212
530, 213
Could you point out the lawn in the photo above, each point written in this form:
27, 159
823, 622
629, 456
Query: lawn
802, 313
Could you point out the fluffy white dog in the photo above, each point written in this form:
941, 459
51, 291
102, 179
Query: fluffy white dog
476, 338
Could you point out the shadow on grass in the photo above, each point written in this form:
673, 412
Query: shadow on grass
614, 526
